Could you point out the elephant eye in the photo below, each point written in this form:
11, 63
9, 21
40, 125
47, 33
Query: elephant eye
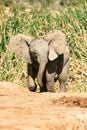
34, 56
34, 53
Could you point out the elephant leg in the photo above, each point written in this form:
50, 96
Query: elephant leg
50, 86
31, 78
63, 77
62, 83
50, 75
44, 88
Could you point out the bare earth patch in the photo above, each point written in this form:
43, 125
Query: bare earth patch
24, 110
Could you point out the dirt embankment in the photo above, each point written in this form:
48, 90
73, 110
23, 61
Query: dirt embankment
24, 110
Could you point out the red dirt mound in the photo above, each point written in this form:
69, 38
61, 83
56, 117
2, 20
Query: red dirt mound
24, 110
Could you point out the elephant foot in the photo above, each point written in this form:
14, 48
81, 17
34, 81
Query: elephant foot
52, 89
62, 85
43, 89
33, 89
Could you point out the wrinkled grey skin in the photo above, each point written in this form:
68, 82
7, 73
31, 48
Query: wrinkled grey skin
58, 60
35, 53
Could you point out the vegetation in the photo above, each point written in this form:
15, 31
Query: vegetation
71, 19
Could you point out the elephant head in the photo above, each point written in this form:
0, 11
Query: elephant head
38, 51
57, 43
32, 50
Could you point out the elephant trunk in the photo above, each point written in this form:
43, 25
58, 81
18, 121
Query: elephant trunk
40, 74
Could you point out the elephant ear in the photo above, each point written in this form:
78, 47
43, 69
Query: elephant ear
52, 54
19, 44
57, 43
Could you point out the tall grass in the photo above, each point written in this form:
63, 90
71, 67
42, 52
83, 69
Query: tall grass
71, 20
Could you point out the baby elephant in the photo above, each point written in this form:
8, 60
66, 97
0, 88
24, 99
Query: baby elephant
47, 58
34, 51
58, 60
57, 69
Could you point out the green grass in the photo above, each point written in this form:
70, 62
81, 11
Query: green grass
72, 20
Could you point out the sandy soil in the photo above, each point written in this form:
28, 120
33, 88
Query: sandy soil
24, 110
